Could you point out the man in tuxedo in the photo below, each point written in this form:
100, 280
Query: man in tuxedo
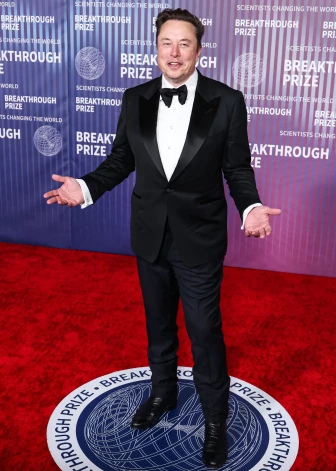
180, 131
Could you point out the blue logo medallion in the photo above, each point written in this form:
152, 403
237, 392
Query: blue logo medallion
92, 428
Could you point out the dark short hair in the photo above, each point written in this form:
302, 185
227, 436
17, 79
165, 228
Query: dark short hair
180, 15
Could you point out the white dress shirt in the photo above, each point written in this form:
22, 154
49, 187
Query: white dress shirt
172, 125
171, 132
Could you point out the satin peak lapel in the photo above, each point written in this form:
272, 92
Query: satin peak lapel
202, 116
148, 114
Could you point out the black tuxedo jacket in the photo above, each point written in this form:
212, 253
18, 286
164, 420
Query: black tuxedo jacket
193, 200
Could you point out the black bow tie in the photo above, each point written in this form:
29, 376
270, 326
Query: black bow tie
168, 93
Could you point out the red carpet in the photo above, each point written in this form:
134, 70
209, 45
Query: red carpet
68, 317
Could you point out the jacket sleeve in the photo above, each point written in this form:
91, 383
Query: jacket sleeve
118, 164
237, 159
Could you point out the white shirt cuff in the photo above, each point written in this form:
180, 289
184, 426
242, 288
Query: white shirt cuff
86, 193
247, 210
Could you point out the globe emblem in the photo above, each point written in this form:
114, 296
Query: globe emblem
48, 140
248, 70
105, 436
90, 63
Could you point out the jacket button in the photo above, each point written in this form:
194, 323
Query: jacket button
169, 190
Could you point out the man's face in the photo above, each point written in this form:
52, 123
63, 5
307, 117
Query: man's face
177, 51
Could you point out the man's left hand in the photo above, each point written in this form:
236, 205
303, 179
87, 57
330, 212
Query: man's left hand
257, 221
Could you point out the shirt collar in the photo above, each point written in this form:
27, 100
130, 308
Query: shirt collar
191, 83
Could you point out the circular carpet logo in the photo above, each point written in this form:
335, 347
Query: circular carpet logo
90, 63
90, 429
248, 70
48, 140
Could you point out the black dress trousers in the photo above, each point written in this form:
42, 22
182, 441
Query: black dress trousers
163, 283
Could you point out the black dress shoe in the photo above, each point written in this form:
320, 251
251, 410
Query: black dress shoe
215, 450
151, 411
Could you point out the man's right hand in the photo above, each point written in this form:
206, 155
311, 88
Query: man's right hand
70, 193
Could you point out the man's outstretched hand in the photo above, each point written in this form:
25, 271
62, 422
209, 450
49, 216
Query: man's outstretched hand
70, 193
257, 221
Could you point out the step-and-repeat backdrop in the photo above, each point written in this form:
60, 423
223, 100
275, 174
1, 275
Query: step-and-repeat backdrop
64, 66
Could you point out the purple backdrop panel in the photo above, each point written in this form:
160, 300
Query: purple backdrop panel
119, 43
283, 59
34, 120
